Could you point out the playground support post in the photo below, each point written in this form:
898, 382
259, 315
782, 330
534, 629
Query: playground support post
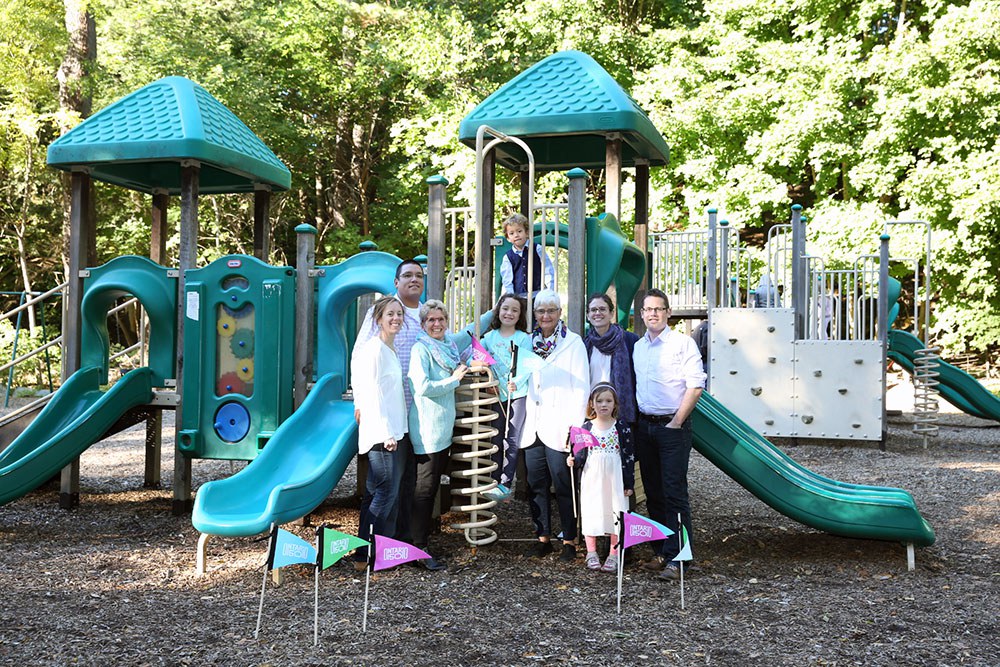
883, 318
800, 287
713, 254
577, 249
436, 238
187, 259
724, 301
154, 423
613, 175
80, 244
641, 236
262, 221
305, 262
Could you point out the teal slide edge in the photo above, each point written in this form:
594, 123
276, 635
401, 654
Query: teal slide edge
75, 418
839, 508
298, 468
958, 387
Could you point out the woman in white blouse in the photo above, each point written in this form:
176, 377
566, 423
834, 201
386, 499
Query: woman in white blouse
377, 379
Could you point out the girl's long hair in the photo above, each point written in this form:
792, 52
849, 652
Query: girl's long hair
522, 319
599, 389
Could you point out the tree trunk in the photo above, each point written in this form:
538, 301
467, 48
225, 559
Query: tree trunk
74, 86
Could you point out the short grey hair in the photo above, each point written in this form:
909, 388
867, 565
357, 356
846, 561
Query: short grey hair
547, 299
429, 305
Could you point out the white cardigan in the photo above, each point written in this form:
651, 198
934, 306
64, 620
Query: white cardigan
377, 379
557, 394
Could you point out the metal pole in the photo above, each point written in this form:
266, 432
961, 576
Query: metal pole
305, 261
724, 265
883, 318
577, 249
713, 275
436, 190
800, 294
188, 259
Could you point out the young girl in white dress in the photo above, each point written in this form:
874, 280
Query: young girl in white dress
608, 476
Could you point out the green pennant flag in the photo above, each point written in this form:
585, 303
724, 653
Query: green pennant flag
334, 545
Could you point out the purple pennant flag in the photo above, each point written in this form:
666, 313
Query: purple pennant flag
639, 529
581, 438
390, 553
480, 353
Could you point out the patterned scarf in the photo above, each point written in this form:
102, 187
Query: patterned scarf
612, 343
444, 352
543, 348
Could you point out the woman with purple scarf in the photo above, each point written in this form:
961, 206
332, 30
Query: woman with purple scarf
609, 348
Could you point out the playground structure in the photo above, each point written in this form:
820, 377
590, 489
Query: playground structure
300, 436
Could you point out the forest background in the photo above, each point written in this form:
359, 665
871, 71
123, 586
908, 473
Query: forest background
860, 110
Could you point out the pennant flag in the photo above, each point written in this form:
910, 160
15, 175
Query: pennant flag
685, 552
639, 529
390, 553
334, 545
289, 549
581, 438
479, 353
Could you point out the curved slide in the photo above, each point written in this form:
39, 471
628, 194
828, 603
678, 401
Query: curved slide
308, 454
958, 387
840, 508
296, 471
77, 416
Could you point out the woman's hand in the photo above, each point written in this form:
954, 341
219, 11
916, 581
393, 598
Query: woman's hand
628, 492
459, 372
511, 387
390, 444
570, 460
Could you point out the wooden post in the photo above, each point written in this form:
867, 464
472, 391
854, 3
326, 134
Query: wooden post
800, 280
484, 261
436, 236
154, 422
305, 261
883, 320
81, 231
261, 222
577, 295
525, 193
641, 236
613, 175
188, 259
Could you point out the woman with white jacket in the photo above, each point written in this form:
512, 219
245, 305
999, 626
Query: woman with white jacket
556, 400
377, 380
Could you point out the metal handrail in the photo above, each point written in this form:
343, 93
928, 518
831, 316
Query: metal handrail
34, 353
35, 299
28, 407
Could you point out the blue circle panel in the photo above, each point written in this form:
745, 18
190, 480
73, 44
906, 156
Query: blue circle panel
232, 422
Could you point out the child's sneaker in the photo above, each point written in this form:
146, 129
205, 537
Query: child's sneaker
593, 561
499, 494
611, 564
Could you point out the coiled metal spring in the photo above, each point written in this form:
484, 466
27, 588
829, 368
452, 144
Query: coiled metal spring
926, 363
471, 452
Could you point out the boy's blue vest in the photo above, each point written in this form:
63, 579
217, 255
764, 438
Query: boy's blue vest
520, 269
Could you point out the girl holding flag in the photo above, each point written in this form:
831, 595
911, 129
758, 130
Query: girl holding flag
608, 463
507, 341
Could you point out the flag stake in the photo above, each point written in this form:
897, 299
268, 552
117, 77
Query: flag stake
316, 594
621, 558
680, 548
263, 585
368, 573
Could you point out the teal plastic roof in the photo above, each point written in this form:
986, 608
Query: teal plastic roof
564, 107
139, 142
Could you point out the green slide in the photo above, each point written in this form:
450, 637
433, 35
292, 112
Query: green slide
295, 472
849, 510
958, 387
78, 415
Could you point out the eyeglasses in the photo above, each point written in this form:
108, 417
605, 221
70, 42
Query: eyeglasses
408, 276
547, 311
601, 309
655, 310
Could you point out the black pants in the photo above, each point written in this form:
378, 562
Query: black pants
547, 467
429, 468
663, 455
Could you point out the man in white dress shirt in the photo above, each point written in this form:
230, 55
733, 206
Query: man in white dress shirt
669, 380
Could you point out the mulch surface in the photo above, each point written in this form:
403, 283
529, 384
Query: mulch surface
114, 582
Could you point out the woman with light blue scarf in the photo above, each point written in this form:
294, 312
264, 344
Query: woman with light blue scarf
436, 369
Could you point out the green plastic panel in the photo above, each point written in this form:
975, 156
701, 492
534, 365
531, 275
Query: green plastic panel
139, 142
148, 282
239, 343
564, 107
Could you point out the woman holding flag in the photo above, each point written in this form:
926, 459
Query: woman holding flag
436, 369
377, 379
556, 400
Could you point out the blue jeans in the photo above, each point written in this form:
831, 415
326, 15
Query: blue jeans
506, 441
547, 467
380, 504
663, 455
